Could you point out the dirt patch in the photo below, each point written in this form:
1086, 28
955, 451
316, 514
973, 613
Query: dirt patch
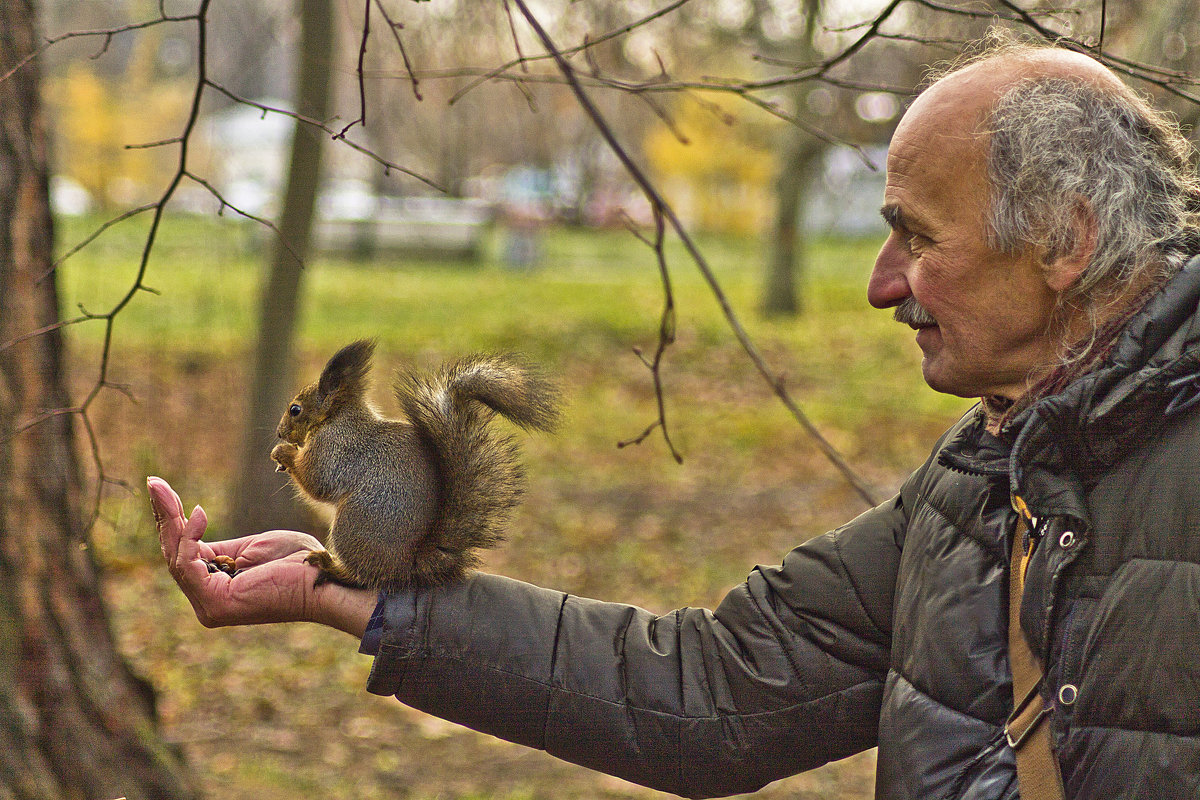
280, 711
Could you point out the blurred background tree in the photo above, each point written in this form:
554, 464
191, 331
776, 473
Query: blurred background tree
75, 721
260, 501
764, 118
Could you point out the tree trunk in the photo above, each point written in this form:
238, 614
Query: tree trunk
260, 499
798, 156
74, 721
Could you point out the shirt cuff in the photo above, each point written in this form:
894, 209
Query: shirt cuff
373, 635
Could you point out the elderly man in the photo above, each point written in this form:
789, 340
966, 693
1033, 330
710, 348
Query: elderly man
1041, 216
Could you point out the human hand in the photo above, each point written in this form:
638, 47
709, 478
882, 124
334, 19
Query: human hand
274, 584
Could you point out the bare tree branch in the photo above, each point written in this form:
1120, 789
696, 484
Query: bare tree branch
133, 212
523, 61
362, 88
395, 28
388, 166
266, 223
108, 34
666, 335
662, 207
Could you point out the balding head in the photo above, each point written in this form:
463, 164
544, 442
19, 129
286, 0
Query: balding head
1029, 192
971, 90
957, 105
1055, 133
1003, 66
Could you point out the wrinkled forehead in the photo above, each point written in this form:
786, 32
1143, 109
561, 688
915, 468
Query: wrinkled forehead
937, 157
939, 148
937, 143
955, 108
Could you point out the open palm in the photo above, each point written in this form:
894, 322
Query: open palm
273, 584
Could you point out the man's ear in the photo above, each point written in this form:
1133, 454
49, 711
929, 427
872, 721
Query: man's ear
1064, 269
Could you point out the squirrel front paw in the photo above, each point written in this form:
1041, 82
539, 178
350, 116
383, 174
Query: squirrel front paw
284, 455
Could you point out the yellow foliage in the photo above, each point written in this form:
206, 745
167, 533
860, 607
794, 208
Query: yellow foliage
95, 119
715, 168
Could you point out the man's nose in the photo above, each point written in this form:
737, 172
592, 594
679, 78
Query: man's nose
888, 286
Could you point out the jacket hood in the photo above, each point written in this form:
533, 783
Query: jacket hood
1152, 374
1050, 449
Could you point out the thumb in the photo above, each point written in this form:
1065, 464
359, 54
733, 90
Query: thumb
189, 538
168, 515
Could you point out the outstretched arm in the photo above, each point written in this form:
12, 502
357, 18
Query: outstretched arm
274, 583
787, 673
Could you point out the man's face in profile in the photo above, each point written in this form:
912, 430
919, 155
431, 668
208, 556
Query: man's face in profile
983, 318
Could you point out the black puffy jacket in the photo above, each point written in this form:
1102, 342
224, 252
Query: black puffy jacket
891, 630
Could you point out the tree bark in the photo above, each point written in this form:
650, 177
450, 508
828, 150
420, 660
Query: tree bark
75, 722
261, 500
798, 156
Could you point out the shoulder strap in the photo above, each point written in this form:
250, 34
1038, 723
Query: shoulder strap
1027, 729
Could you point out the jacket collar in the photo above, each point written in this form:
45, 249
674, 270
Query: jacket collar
1051, 448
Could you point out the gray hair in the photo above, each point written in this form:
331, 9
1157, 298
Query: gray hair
1057, 141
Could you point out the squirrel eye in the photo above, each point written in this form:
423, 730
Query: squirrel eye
294, 410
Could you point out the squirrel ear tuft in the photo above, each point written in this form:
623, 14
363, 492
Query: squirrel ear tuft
347, 370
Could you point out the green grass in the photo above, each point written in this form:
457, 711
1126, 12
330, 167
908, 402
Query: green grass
622, 524
595, 297
595, 293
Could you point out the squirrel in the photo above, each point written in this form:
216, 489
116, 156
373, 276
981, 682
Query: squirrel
414, 498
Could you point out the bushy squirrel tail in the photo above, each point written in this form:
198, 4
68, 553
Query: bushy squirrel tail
481, 476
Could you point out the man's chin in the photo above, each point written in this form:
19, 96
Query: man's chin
937, 380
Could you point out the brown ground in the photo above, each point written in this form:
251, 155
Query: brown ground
280, 711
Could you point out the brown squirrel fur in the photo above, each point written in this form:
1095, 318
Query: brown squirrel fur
415, 498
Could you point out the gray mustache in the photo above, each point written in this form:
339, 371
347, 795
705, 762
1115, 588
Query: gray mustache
910, 312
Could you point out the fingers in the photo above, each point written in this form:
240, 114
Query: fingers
276, 591
188, 565
193, 531
264, 547
168, 515
179, 536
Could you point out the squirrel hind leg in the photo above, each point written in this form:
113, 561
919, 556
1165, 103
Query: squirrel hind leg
435, 565
331, 570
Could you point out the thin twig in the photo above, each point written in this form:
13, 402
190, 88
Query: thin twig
810, 129
516, 40
523, 62
107, 34
386, 164
362, 88
865, 491
266, 223
133, 212
53, 413
42, 331
150, 145
666, 335
395, 28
